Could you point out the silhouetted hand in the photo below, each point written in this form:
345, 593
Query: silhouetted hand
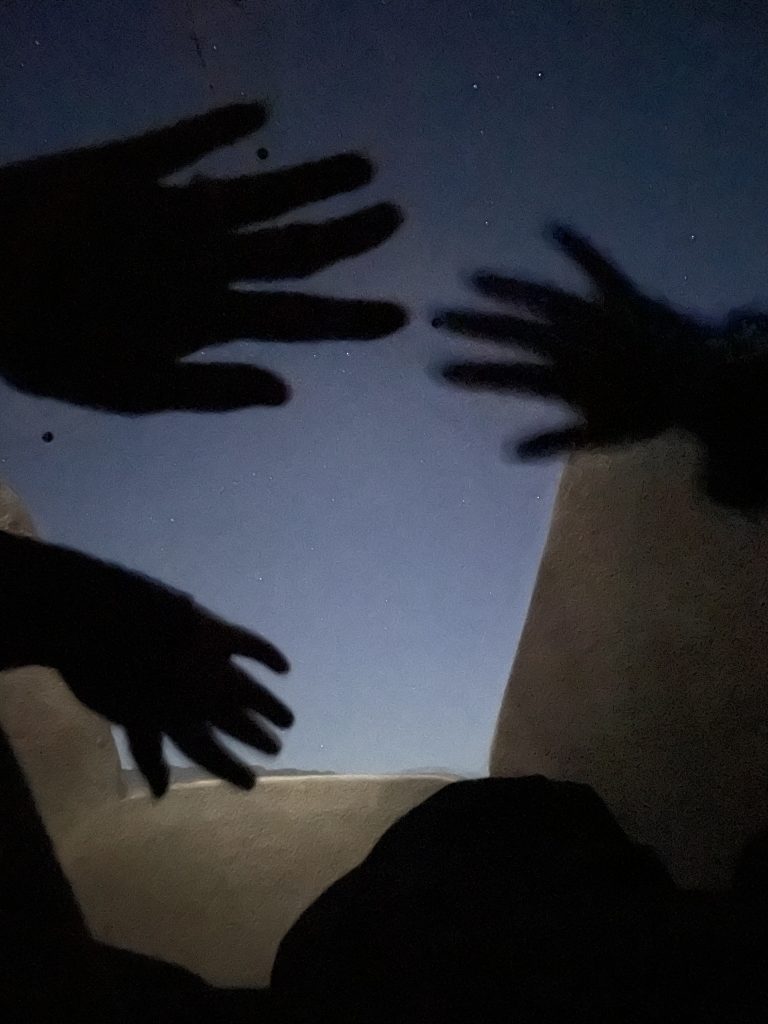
144, 656
613, 357
631, 366
109, 278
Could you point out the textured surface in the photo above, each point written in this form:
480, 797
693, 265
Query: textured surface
643, 669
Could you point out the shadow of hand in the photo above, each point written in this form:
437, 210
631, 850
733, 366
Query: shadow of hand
631, 367
625, 363
110, 278
140, 654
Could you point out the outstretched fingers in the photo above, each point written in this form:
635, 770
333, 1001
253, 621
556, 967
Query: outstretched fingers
161, 152
257, 197
610, 281
198, 744
241, 691
146, 746
554, 442
541, 300
501, 329
229, 639
211, 387
290, 316
529, 378
246, 729
298, 250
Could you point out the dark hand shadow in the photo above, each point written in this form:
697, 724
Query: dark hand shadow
630, 366
140, 654
110, 277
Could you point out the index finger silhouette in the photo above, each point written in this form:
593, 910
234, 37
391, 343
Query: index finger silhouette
236, 640
554, 442
528, 378
292, 316
501, 329
608, 278
258, 197
245, 692
540, 299
198, 744
165, 150
146, 746
299, 250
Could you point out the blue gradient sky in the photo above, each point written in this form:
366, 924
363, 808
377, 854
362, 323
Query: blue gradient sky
370, 528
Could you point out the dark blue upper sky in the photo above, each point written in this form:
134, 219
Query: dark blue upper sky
370, 528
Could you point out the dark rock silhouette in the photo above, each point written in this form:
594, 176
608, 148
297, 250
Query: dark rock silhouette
147, 989
516, 900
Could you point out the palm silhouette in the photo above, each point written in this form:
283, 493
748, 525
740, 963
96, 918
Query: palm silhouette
112, 277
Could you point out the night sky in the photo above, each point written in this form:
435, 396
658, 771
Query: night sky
371, 528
